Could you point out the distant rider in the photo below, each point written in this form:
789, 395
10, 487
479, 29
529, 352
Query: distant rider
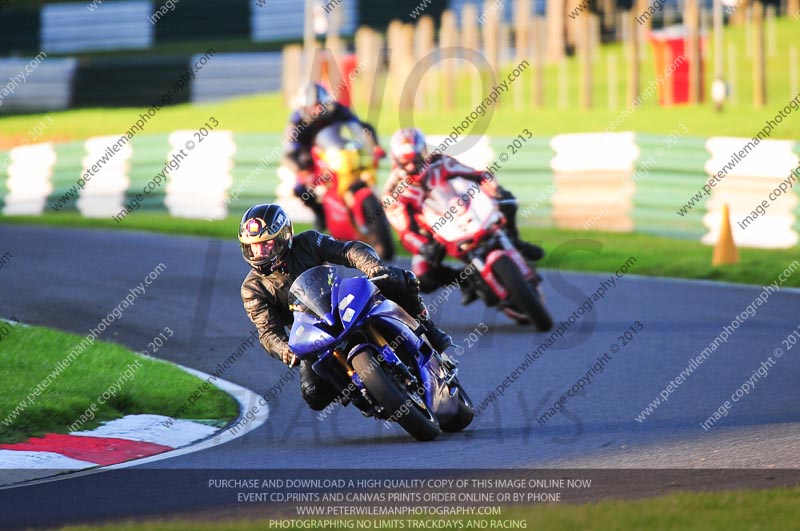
277, 257
316, 110
410, 181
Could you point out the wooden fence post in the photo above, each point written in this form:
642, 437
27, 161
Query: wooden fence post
759, 62
448, 38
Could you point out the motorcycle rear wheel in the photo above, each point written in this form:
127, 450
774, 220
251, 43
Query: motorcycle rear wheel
522, 296
386, 391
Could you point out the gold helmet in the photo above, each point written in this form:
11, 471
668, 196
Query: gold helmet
265, 234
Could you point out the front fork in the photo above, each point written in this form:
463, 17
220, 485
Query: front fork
485, 266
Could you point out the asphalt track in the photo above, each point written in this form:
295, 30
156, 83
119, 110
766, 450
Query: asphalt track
69, 279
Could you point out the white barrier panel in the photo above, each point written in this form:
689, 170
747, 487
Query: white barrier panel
29, 179
276, 20
288, 200
114, 25
745, 183
237, 74
197, 187
479, 155
593, 173
30, 85
104, 194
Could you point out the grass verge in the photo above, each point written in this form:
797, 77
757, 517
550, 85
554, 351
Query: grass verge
566, 250
560, 114
30, 355
707, 511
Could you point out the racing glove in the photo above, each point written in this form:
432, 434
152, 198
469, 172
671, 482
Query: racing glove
394, 277
288, 357
432, 252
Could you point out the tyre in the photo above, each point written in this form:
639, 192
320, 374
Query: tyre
465, 413
380, 233
415, 419
524, 298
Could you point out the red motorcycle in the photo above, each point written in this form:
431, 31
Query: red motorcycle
345, 167
468, 223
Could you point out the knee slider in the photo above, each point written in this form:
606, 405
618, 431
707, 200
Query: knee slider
312, 397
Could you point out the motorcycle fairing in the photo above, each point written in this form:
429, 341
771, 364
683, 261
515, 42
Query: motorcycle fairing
307, 335
353, 296
358, 304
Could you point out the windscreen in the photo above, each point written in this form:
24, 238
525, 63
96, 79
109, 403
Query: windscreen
346, 135
311, 291
457, 208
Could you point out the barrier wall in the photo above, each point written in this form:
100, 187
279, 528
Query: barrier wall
617, 182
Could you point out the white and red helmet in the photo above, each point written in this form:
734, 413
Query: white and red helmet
409, 150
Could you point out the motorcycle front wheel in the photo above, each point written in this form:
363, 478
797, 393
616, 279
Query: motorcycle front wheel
400, 406
465, 413
524, 298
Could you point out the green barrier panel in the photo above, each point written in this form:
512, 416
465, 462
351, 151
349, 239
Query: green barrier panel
676, 172
254, 171
527, 174
147, 160
66, 172
671, 171
253, 180
5, 162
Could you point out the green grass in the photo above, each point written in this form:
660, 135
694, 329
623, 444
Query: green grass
567, 250
705, 511
28, 355
658, 256
268, 113
160, 222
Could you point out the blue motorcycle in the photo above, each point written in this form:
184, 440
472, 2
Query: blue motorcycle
365, 345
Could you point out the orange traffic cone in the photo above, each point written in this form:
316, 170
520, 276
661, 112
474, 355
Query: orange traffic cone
725, 252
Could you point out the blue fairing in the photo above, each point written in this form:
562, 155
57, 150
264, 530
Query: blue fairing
353, 296
389, 312
328, 308
307, 338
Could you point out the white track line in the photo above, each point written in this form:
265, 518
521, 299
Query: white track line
248, 402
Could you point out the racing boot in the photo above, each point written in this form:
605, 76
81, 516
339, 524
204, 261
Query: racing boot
315, 390
410, 300
469, 291
439, 339
529, 251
